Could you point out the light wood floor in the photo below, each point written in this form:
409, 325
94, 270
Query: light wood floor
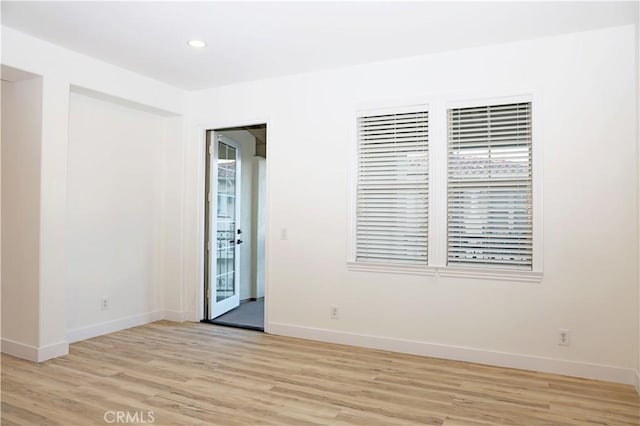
204, 374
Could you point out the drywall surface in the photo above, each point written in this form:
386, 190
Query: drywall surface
21, 146
113, 200
169, 189
31, 54
63, 70
584, 86
637, 56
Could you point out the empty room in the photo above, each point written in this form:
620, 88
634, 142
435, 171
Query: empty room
320, 213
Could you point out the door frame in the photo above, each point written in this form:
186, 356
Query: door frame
199, 292
214, 138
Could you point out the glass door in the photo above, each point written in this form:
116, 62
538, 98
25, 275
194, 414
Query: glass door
224, 233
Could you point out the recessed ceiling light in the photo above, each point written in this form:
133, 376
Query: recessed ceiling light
197, 43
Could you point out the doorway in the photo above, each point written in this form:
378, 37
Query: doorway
235, 211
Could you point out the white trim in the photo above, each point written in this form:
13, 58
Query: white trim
391, 268
438, 105
53, 350
217, 308
31, 353
491, 274
537, 180
267, 225
447, 272
460, 353
174, 316
198, 313
193, 316
477, 101
636, 383
19, 350
107, 327
393, 106
437, 185
535, 98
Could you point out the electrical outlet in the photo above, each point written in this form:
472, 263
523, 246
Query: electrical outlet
334, 312
563, 337
104, 304
284, 234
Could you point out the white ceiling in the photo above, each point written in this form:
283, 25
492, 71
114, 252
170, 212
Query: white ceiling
249, 41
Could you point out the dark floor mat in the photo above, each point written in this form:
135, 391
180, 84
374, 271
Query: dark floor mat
247, 315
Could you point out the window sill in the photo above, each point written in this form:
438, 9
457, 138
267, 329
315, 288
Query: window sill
391, 268
491, 274
447, 272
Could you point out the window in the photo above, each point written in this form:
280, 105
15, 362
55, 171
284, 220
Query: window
448, 191
392, 209
489, 187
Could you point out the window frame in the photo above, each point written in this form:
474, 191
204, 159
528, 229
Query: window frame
367, 116
460, 189
438, 107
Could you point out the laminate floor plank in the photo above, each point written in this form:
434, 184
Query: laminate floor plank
200, 374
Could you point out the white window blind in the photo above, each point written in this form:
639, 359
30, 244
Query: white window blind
393, 187
490, 186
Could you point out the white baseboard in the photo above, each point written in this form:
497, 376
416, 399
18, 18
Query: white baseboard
19, 350
191, 316
32, 353
460, 353
106, 327
44, 353
53, 351
636, 383
174, 316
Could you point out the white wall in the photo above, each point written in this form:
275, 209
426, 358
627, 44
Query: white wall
637, 56
169, 188
21, 132
113, 201
60, 70
38, 56
585, 84
590, 285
